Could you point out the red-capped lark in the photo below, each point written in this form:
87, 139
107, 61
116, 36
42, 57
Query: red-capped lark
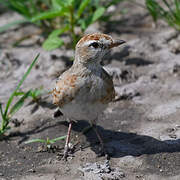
84, 91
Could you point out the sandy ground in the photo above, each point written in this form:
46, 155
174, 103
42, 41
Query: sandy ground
141, 129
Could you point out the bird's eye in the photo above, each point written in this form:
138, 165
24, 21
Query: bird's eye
94, 44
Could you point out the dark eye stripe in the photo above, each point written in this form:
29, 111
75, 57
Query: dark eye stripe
94, 44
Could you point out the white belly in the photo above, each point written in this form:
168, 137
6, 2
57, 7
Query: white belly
82, 111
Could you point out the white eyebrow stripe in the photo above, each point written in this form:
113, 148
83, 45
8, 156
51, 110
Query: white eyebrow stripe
90, 42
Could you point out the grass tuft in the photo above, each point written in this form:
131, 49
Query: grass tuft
48, 142
10, 109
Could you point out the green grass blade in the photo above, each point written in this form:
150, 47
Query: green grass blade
70, 2
19, 93
155, 9
91, 19
3, 121
52, 43
27, 72
57, 139
177, 3
17, 22
20, 7
56, 5
19, 85
37, 92
48, 15
60, 3
35, 140
97, 14
1, 110
82, 6
169, 6
18, 104
152, 8
34, 8
58, 32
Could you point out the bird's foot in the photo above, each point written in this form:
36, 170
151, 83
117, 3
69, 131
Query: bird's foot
103, 152
107, 151
68, 151
65, 155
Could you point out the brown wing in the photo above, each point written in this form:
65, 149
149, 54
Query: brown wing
109, 93
65, 89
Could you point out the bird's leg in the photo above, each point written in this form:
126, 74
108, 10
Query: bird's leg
66, 148
100, 140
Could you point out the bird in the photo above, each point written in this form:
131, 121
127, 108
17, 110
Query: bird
85, 89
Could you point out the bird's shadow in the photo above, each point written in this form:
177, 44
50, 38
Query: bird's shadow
119, 143
124, 143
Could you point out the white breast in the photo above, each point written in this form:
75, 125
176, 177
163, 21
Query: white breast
85, 105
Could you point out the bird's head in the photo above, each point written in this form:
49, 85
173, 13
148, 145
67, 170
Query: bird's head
92, 47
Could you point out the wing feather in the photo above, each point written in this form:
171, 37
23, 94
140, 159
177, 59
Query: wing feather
108, 94
65, 90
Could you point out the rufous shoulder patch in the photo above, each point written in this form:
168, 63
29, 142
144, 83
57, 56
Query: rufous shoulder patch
65, 90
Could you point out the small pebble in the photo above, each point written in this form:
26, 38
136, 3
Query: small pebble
122, 174
31, 170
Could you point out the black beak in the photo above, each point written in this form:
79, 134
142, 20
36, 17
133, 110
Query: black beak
117, 43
